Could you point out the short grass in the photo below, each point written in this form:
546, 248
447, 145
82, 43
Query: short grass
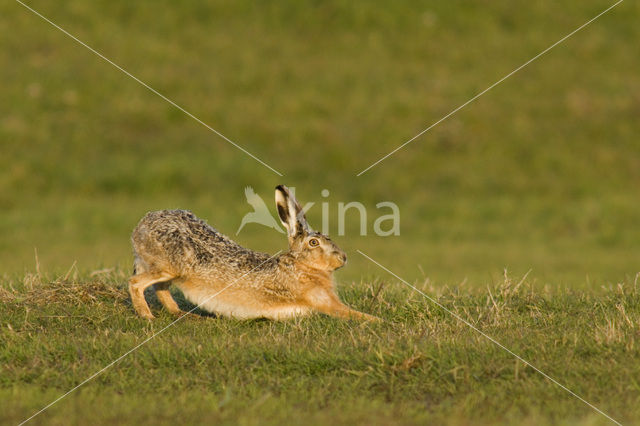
541, 173
420, 365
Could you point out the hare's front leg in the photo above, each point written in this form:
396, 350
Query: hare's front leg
343, 311
327, 302
138, 283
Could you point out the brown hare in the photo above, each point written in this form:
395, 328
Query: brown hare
224, 278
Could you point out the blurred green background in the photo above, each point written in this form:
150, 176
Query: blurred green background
541, 173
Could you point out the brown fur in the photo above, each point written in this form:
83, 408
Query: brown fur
222, 277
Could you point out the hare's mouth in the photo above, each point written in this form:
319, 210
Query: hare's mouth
341, 258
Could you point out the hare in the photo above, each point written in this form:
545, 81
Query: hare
224, 278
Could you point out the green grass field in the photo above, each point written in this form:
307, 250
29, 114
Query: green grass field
420, 366
540, 174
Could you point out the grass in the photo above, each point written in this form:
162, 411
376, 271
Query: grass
540, 174
419, 365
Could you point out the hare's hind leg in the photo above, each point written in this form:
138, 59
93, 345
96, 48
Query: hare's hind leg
138, 283
165, 297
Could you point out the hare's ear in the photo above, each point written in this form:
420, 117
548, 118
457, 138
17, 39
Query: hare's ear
290, 213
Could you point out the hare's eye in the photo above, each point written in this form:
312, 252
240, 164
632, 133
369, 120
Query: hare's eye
314, 242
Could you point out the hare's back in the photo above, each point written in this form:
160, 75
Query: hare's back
180, 238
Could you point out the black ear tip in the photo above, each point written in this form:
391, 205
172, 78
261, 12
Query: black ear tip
282, 188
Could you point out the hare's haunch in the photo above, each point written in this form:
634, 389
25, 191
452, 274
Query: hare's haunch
222, 277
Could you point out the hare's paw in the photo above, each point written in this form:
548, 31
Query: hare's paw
189, 316
146, 315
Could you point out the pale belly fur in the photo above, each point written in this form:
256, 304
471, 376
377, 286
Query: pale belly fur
209, 301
